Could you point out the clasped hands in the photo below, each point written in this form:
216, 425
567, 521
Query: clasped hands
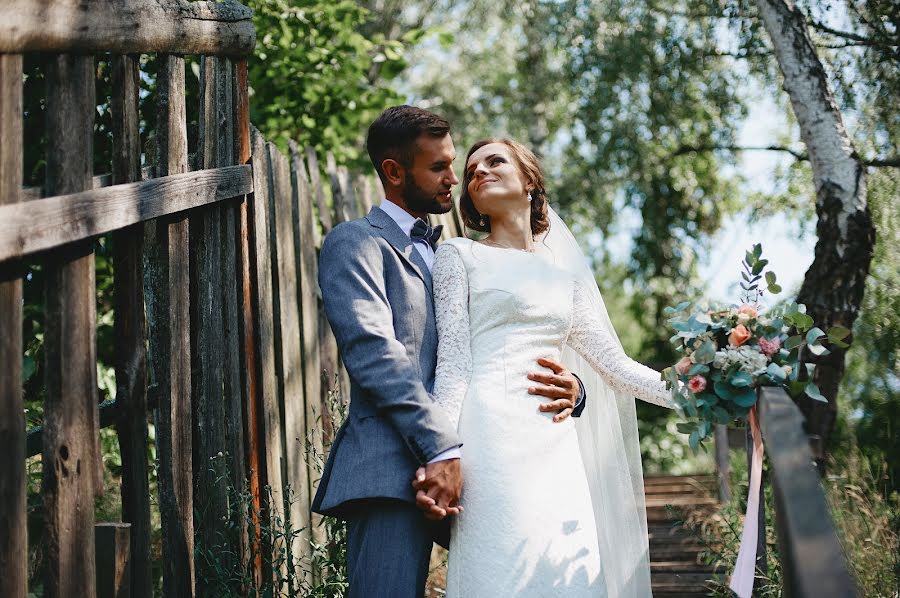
438, 485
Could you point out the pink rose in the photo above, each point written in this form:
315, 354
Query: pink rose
748, 309
739, 335
697, 384
770, 347
683, 365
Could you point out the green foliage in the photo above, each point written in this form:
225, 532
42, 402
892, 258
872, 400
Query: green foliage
870, 390
316, 78
224, 570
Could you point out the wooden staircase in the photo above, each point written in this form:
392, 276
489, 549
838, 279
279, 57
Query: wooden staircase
676, 570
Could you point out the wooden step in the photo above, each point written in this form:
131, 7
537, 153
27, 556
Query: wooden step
677, 552
680, 567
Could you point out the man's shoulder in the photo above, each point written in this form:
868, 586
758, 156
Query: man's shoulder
352, 232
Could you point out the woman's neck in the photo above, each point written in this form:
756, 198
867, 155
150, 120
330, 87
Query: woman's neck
512, 230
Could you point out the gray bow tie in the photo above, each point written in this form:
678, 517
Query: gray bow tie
422, 231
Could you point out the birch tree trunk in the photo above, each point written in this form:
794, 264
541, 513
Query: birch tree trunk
834, 284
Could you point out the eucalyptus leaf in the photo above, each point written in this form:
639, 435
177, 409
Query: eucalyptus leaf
812, 391
698, 368
813, 335
793, 342
775, 371
818, 350
706, 353
740, 379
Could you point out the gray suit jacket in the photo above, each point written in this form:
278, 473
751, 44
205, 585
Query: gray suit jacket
377, 294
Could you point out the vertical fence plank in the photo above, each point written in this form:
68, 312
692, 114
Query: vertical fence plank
317, 416
116, 570
250, 382
328, 350
130, 331
315, 179
364, 184
168, 302
289, 365
71, 461
339, 199
271, 434
232, 299
207, 346
13, 538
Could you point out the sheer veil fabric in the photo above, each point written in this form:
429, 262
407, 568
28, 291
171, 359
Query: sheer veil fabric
609, 444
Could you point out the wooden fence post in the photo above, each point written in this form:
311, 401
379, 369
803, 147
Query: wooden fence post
130, 330
71, 462
208, 345
13, 539
115, 570
250, 383
168, 302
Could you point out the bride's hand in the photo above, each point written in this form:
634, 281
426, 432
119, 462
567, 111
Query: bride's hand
561, 386
438, 486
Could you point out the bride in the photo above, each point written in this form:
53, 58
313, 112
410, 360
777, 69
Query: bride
548, 509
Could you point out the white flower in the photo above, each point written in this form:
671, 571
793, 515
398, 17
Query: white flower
743, 318
787, 370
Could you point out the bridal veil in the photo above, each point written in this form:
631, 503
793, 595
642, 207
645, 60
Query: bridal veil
609, 445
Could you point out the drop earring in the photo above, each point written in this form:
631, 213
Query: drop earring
481, 221
530, 199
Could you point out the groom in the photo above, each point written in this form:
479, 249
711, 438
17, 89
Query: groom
375, 276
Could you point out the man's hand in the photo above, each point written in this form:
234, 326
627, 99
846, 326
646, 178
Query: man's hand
438, 487
561, 386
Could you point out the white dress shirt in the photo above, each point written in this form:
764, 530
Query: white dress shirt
405, 221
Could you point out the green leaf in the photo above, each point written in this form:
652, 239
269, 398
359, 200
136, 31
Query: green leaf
793, 342
685, 428
759, 266
802, 321
770, 278
740, 379
812, 391
818, 350
28, 368
682, 306
774, 289
706, 353
774, 370
814, 335
747, 398
698, 368
694, 440
757, 250
836, 336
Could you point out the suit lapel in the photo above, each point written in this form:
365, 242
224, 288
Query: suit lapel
400, 242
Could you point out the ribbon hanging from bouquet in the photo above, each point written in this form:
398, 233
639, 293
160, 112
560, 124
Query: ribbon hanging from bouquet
745, 568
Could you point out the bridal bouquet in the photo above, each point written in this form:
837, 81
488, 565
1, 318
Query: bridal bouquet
730, 352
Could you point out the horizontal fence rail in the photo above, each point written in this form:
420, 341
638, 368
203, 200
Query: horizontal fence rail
127, 27
43, 224
812, 561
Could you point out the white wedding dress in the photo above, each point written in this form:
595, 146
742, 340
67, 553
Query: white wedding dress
528, 528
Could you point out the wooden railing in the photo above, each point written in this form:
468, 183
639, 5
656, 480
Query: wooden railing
812, 561
220, 339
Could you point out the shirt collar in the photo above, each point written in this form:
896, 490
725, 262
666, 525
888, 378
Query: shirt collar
404, 219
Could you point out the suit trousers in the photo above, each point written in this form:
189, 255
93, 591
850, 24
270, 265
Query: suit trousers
388, 549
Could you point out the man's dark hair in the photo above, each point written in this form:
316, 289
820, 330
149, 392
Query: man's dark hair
393, 135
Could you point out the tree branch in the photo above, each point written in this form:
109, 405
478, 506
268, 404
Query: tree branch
888, 162
692, 149
861, 39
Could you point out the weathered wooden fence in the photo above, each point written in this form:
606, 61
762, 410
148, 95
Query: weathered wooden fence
220, 338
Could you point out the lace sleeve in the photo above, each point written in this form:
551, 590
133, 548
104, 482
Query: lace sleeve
590, 338
451, 308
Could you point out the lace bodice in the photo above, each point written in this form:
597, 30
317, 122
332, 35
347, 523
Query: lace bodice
495, 305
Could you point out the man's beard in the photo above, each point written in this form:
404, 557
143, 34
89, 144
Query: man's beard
419, 200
